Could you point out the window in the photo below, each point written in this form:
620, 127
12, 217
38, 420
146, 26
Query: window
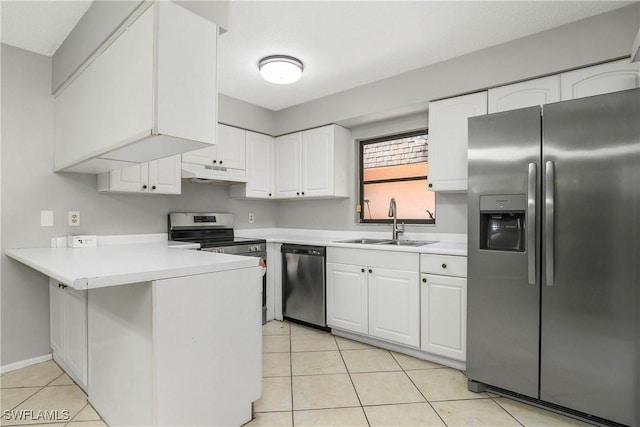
396, 167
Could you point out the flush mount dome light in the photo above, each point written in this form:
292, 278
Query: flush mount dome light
280, 69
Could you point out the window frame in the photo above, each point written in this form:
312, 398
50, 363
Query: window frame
361, 144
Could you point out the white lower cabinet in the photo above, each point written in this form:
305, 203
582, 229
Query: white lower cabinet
68, 330
374, 293
162, 176
394, 307
347, 297
443, 301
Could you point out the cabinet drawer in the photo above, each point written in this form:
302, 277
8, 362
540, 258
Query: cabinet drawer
444, 265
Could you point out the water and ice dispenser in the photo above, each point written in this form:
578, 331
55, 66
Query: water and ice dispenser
502, 222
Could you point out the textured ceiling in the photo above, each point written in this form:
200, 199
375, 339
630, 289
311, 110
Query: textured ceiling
347, 44
343, 44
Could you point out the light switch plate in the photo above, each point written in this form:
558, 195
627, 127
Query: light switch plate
46, 218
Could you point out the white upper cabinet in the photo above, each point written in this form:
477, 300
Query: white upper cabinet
160, 176
232, 147
259, 169
312, 163
287, 165
449, 141
228, 152
604, 78
150, 93
224, 161
524, 94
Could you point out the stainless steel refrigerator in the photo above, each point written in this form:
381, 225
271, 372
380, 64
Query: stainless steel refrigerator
554, 255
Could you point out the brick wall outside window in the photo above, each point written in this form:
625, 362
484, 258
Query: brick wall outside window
397, 152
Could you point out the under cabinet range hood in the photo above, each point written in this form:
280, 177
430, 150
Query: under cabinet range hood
210, 174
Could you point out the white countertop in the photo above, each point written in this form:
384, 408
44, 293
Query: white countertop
448, 244
118, 264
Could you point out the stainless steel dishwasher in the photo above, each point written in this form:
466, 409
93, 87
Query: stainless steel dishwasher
303, 284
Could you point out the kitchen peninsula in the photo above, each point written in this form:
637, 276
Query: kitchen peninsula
172, 336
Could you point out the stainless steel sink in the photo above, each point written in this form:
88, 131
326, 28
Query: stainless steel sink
365, 241
388, 242
408, 242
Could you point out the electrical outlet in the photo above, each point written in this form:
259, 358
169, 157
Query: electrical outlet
252, 218
74, 218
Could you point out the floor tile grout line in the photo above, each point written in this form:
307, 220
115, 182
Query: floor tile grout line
28, 397
505, 409
293, 422
353, 384
420, 391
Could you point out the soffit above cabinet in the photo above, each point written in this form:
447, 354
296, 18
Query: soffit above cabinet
148, 94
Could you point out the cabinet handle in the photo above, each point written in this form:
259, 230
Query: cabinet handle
153, 187
430, 185
269, 194
61, 286
370, 271
424, 280
297, 193
220, 161
303, 193
215, 161
144, 187
362, 270
444, 265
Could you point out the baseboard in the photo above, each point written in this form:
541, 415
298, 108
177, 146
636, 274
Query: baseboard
24, 363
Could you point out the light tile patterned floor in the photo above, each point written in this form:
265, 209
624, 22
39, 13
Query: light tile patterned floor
43, 394
312, 378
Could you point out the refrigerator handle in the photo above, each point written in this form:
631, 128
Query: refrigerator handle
531, 222
549, 232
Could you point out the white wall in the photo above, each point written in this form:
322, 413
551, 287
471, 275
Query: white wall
29, 185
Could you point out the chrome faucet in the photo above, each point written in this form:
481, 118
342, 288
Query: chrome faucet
393, 212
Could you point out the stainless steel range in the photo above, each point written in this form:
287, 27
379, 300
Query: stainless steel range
214, 232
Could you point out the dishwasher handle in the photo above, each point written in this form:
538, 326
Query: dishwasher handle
303, 250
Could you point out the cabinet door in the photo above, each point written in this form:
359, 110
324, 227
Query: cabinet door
259, 165
444, 316
394, 306
599, 79
347, 297
524, 94
203, 156
232, 147
287, 152
56, 318
317, 162
165, 175
132, 179
448, 140
75, 336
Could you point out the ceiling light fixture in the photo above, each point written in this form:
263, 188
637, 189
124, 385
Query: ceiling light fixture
280, 69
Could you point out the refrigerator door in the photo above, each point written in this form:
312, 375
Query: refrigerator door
503, 306
590, 343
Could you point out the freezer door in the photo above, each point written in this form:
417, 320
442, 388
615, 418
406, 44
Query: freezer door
590, 348
502, 304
